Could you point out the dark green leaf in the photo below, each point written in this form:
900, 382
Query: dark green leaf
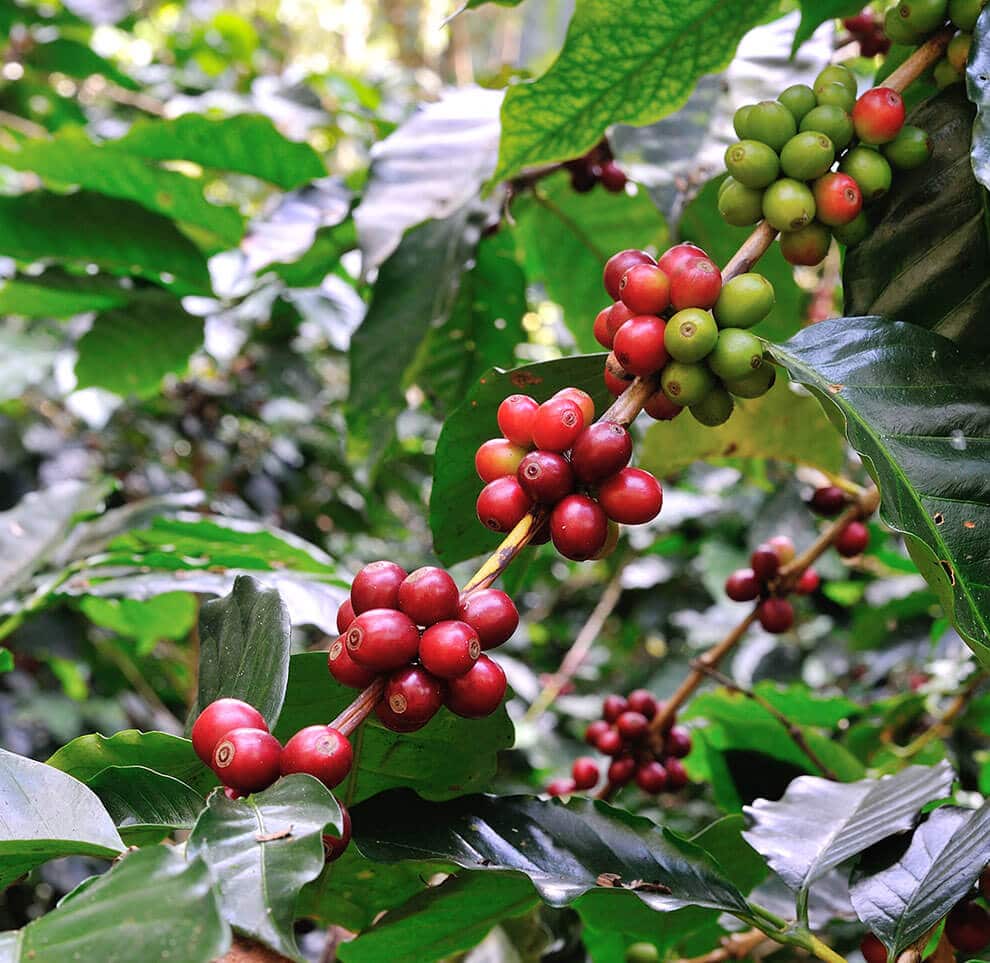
978, 89
815, 12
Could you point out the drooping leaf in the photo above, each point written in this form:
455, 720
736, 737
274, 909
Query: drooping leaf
978, 90
815, 12
168, 616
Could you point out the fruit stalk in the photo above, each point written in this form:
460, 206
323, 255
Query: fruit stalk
357, 711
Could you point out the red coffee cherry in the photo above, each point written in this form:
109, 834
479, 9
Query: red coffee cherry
612, 707
645, 289
873, 950
878, 115
334, 846
808, 582
321, 751
615, 384
582, 399
631, 497
765, 563
677, 742
651, 778
696, 284
618, 315
601, 332
838, 199
595, 731
449, 649
561, 787
345, 615
217, 719
502, 504
600, 451
376, 586
429, 595
828, 501
397, 723
382, 640
617, 265
659, 407
852, 540
479, 692
985, 884
612, 177
413, 694
776, 615
558, 422
497, 458
679, 255
345, 670
784, 548
492, 615
639, 346
677, 776
611, 744
967, 927
578, 527
545, 477
632, 726
516, 415
585, 772
742, 585
247, 760
621, 770
643, 702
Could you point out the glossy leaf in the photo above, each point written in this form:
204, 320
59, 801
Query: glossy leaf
978, 89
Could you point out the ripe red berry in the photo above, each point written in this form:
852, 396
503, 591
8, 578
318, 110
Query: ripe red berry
985, 884
651, 777
838, 199
600, 451
677, 742
808, 582
479, 692
578, 527
617, 265
828, 501
502, 504
582, 399
429, 595
678, 255
621, 770
873, 950
561, 787
601, 332
345, 670
516, 415
449, 649
545, 477
613, 178
492, 614
497, 458
382, 640
345, 615
321, 751
860, 23
397, 723
631, 497
659, 407
247, 760
776, 615
610, 743
632, 726
852, 540
967, 927
696, 284
615, 384
595, 731
643, 702
334, 846
618, 315
784, 548
413, 694
639, 346
765, 563
376, 586
645, 289
558, 422
878, 115
585, 772
742, 585
677, 777
612, 707
217, 719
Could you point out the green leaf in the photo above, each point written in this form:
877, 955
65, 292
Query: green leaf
44, 814
244, 643
620, 64
6, 660
918, 410
925, 260
329, 245
76, 59
819, 824
55, 294
815, 12
448, 757
135, 907
168, 616
457, 533
805, 707
262, 850
978, 90
901, 902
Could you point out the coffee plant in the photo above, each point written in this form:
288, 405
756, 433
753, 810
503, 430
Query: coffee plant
348, 608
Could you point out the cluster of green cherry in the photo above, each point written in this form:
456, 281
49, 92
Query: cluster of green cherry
911, 22
781, 170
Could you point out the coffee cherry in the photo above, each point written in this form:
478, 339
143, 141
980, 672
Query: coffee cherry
631, 497
497, 458
742, 585
546, 477
397, 723
583, 178
217, 719
376, 586
618, 315
911, 148
695, 285
621, 770
643, 702
686, 384
645, 289
659, 407
612, 177
611, 744
741, 119
898, 29
788, 205
853, 233
651, 778
613, 706
957, 52
321, 751
752, 163
775, 615
617, 379
852, 540
413, 693
878, 115
833, 122
870, 170
345, 615
808, 582
740, 206
578, 527
828, 501
345, 670
873, 950
677, 777
449, 649
595, 731
807, 155
678, 255
334, 846
965, 13
582, 399
744, 301
677, 742
835, 95
922, 16
247, 759
799, 99
946, 75
492, 615
478, 692
600, 451
736, 354
617, 265
985, 884
611, 541
807, 245
561, 787
755, 384
502, 503
772, 123
715, 408
632, 726
837, 199
600, 330
784, 548
516, 415
639, 346
428, 595
967, 927
382, 640
558, 423
585, 772
837, 74
690, 335
765, 563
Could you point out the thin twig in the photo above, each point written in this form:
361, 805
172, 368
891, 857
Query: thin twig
354, 714
943, 725
736, 946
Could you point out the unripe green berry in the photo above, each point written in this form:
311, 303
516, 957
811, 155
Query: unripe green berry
835, 95
870, 170
964, 13
807, 156
837, 74
923, 16
690, 335
772, 123
642, 953
715, 409
807, 246
910, 149
957, 52
788, 204
744, 301
739, 205
946, 75
854, 232
752, 163
798, 99
898, 29
736, 354
686, 384
755, 384
740, 121
834, 122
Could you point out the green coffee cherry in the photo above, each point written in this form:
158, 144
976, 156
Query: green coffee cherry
740, 121
964, 13
958, 51
807, 246
739, 205
788, 204
690, 335
946, 75
910, 149
835, 95
833, 122
755, 384
715, 409
772, 123
799, 99
736, 354
807, 155
752, 163
686, 384
642, 953
744, 301
854, 232
923, 16
898, 29
837, 74
869, 169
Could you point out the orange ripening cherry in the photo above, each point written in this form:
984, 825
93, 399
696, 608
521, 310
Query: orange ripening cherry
878, 115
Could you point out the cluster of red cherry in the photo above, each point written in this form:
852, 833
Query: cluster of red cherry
588, 492
596, 167
638, 752
866, 29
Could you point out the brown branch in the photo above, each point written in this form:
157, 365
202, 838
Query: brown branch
927, 55
943, 725
354, 714
736, 946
